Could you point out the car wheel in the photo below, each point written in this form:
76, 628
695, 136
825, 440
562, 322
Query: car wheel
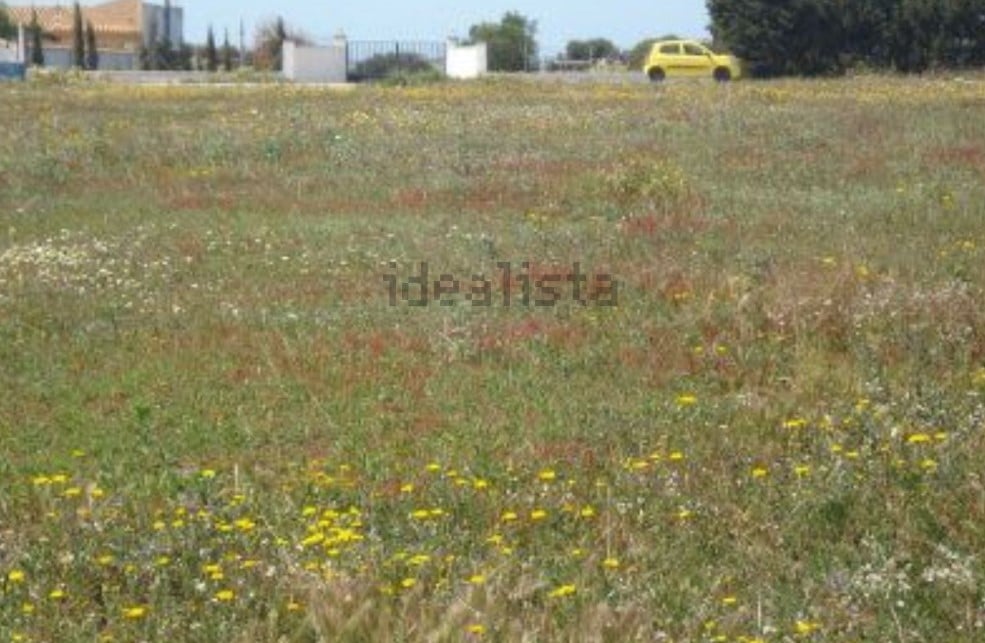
723, 75
656, 75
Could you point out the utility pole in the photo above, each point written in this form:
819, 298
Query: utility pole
242, 43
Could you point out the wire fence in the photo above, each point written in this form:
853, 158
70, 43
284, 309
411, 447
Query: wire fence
377, 59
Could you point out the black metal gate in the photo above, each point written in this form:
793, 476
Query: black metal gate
369, 60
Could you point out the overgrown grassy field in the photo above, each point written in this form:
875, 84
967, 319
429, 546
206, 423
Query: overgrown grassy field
215, 425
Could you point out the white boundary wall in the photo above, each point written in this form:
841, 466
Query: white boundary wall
8, 52
315, 64
12, 51
466, 63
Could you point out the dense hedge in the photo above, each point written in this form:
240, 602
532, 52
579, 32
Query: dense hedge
827, 36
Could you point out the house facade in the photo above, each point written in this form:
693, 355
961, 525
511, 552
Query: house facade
122, 28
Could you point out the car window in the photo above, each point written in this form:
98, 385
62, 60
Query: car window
693, 50
670, 49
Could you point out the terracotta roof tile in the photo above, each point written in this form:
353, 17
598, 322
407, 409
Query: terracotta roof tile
122, 16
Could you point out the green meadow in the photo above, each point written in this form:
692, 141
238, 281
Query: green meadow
737, 392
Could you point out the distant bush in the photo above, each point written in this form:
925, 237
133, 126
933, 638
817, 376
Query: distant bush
813, 37
393, 65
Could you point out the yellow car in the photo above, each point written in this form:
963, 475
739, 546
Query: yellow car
686, 58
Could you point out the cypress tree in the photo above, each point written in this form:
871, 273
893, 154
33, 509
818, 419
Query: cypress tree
211, 55
78, 39
92, 51
280, 36
37, 49
227, 53
164, 48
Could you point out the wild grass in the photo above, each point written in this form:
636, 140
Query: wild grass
215, 426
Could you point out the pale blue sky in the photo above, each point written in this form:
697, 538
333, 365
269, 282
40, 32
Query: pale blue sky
621, 21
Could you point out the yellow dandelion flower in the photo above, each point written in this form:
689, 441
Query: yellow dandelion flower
225, 595
407, 488
162, 561
795, 423
27, 609
408, 583
477, 579
611, 563
16, 576
802, 470
309, 511
313, 539
686, 400
730, 601
547, 475
685, 514
760, 472
59, 478
928, 465
57, 594
72, 492
294, 607
563, 591
135, 613
806, 628
587, 512
208, 474
538, 514
676, 456
480, 484
476, 629
41, 481
509, 516
918, 438
420, 514
245, 525
434, 467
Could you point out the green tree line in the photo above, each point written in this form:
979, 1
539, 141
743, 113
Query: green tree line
7, 28
813, 37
